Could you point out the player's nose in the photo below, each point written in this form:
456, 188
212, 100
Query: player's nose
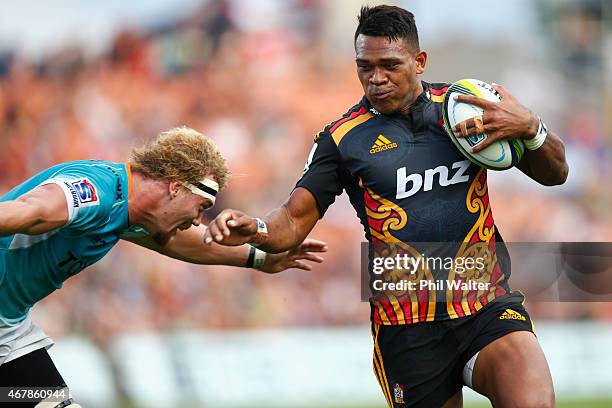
378, 77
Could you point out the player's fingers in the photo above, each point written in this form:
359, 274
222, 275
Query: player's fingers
222, 229
310, 257
314, 245
300, 265
462, 128
239, 222
476, 127
474, 100
478, 124
485, 143
235, 215
208, 239
218, 226
214, 231
502, 91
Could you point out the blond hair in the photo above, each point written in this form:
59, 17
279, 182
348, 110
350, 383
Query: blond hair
180, 154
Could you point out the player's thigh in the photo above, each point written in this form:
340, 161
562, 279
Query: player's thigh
512, 372
417, 365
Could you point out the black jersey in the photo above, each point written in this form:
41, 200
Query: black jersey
409, 184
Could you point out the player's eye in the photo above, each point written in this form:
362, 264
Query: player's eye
391, 66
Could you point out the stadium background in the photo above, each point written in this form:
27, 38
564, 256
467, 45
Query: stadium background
92, 79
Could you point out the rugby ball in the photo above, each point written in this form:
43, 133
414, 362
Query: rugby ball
502, 154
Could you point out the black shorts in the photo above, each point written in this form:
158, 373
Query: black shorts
32, 371
421, 365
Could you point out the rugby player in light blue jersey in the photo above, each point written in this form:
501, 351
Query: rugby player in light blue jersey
69, 216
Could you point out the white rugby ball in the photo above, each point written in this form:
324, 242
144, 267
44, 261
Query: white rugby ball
502, 154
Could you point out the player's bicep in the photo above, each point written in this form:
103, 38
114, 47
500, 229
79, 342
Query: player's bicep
43, 209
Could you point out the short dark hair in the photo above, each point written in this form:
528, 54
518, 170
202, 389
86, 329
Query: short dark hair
388, 21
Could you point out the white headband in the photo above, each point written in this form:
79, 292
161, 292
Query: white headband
206, 188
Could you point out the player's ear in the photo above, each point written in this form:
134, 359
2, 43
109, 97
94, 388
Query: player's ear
173, 188
420, 60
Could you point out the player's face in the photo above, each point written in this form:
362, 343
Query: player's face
183, 211
388, 72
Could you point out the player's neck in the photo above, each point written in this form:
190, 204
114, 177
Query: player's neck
146, 196
418, 90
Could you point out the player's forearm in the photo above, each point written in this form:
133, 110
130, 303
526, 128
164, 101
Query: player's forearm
189, 246
215, 255
283, 231
547, 165
291, 223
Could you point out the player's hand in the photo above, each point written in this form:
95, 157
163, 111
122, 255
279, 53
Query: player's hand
295, 257
231, 228
507, 119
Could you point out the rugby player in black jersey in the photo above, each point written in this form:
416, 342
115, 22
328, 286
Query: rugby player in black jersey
408, 183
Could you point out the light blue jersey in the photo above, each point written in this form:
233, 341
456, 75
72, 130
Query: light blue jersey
32, 266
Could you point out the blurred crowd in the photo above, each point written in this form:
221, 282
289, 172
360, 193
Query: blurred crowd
261, 91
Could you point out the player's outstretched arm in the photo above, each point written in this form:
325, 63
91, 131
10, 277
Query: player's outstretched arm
509, 119
40, 210
284, 228
188, 246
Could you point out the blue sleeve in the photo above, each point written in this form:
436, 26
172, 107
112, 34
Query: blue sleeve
90, 194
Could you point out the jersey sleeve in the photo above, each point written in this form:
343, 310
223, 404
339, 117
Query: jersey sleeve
89, 198
322, 172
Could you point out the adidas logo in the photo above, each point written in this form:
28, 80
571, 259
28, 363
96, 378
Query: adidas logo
382, 144
511, 315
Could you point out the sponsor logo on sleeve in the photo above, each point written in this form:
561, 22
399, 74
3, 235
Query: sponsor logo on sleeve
73, 193
84, 193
